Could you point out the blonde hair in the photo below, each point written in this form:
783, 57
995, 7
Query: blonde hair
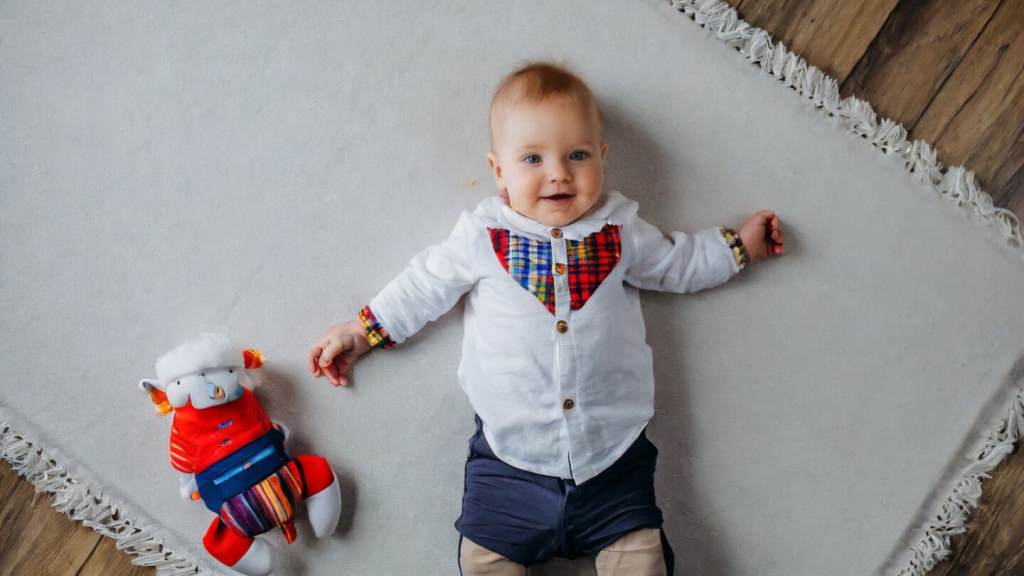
536, 82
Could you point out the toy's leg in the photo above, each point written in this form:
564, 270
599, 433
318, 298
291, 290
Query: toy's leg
322, 494
250, 556
638, 553
475, 560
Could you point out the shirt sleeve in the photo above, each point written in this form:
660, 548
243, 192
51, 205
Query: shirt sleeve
679, 262
428, 287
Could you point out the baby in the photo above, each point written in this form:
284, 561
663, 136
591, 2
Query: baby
555, 362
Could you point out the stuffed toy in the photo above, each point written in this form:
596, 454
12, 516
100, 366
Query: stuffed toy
231, 455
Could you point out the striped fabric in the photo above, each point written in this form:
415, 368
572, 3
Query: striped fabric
183, 452
269, 504
529, 262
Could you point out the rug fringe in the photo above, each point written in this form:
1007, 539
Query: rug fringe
81, 503
956, 186
953, 513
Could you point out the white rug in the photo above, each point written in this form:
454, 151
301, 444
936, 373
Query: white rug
263, 169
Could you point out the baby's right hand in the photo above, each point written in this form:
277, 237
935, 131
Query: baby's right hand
336, 351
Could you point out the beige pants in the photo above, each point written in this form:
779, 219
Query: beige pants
638, 553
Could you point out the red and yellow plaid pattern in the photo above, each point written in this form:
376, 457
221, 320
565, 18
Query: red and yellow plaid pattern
375, 333
530, 263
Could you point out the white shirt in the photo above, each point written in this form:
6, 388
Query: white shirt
564, 404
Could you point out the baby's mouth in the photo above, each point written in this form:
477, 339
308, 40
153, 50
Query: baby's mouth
558, 198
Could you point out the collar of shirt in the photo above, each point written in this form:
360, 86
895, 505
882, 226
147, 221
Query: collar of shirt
589, 223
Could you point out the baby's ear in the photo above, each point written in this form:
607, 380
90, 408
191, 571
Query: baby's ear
492, 161
604, 148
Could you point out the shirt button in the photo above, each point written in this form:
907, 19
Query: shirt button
559, 269
562, 326
556, 233
568, 404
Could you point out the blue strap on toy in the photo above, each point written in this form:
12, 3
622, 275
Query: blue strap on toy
242, 469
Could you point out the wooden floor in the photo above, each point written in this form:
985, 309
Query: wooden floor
949, 70
37, 540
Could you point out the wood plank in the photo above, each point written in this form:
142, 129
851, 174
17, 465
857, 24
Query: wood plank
914, 54
107, 559
1011, 196
977, 119
995, 533
830, 34
35, 539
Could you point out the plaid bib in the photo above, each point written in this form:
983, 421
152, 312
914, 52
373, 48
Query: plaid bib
529, 263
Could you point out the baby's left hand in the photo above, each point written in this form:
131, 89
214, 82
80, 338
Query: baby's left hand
761, 235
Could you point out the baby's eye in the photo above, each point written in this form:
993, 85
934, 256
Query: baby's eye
532, 159
579, 155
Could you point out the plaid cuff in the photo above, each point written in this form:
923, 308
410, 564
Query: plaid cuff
375, 333
739, 251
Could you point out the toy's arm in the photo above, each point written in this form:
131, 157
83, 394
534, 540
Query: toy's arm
682, 262
284, 429
183, 451
187, 488
428, 287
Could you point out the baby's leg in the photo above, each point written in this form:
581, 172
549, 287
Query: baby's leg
638, 553
475, 560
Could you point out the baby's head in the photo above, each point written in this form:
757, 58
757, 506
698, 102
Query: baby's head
547, 149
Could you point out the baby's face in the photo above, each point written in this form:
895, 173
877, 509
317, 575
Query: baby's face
549, 157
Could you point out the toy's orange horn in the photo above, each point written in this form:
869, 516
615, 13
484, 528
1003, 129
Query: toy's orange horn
253, 358
159, 399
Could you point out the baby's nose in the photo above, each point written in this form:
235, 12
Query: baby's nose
559, 173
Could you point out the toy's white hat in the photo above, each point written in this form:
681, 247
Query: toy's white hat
207, 351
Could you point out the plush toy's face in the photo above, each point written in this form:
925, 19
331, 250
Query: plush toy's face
211, 387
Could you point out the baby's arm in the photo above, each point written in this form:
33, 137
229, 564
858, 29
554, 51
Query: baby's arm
428, 287
685, 262
679, 262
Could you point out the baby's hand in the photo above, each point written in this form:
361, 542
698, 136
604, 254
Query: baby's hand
336, 351
761, 235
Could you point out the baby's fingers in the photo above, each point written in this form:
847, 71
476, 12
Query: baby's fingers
333, 348
314, 358
331, 372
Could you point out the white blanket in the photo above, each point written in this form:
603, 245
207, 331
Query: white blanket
263, 169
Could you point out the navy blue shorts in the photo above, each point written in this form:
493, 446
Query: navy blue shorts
529, 518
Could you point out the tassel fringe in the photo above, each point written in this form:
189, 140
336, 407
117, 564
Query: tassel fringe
956, 186
934, 546
81, 503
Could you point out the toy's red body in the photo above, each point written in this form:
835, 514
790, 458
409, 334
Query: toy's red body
232, 457
203, 438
